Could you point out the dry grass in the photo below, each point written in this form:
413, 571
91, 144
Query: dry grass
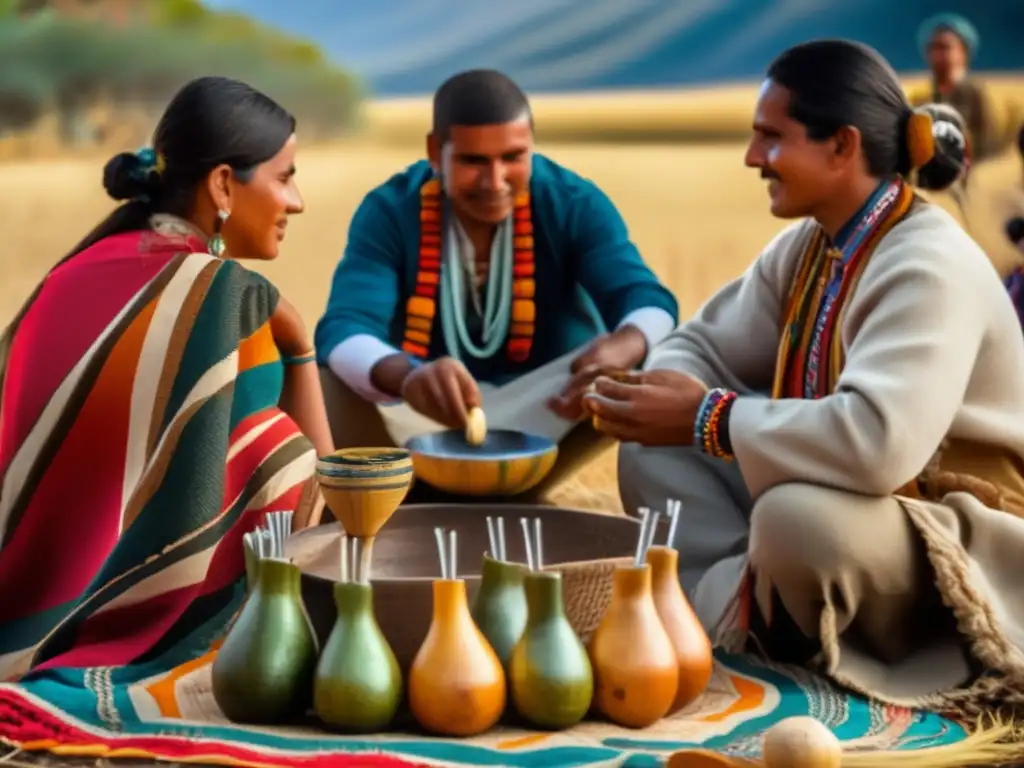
697, 214
698, 114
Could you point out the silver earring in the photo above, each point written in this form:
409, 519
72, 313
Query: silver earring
216, 244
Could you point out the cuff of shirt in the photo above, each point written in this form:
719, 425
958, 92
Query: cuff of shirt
353, 360
653, 322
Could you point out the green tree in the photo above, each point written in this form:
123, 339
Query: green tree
51, 62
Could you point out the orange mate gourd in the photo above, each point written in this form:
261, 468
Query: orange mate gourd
636, 673
456, 683
689, 640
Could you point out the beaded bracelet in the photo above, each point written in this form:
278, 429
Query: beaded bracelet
711, 428
308, 357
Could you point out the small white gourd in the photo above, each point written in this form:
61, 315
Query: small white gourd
801, 742
476, 426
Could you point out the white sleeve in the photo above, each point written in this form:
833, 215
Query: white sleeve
653, 322
353, 360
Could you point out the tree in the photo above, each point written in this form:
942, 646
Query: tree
49, 61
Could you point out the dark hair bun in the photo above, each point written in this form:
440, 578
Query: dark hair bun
125, 177
1015, 230
952, 156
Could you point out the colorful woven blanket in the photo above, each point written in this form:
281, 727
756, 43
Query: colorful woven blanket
143, 711
139, 439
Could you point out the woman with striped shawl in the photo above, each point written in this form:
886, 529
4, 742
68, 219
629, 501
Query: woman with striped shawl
158, 398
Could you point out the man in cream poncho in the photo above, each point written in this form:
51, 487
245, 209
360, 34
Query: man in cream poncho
864, 518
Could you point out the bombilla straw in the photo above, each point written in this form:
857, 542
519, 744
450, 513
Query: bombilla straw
675, 507
492, 538
645, 521
453, 541
538, 545
441, 553
525, 524
344, 559
652, 529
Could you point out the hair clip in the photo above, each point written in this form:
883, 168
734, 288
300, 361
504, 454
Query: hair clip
150, 161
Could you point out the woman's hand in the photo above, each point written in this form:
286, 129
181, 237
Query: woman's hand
650, 408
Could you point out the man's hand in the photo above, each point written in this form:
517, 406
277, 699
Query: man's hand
443, 390
650, 408
611, 353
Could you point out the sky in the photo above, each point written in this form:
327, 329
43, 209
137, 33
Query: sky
402, 47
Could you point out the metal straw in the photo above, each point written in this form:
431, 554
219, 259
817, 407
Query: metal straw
265, 543
344, 559
271, 521
453, 560
525, 524
502, 551
492, 538
365, 559
675, 507
357, 559
645, 519
538, 544
286, 530
439, 538
651, 530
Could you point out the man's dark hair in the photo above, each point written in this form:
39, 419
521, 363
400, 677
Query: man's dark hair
210, 121
477, 97
1015, 230
835, 83
1020, 140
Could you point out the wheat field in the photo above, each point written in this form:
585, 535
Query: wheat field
698, 216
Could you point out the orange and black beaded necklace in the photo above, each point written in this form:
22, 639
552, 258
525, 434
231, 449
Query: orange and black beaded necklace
422, 307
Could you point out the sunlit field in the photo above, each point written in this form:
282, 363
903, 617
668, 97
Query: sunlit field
698, 216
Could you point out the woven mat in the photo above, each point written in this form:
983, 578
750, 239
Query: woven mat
173, 717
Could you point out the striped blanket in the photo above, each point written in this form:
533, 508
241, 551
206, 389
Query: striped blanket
139, 439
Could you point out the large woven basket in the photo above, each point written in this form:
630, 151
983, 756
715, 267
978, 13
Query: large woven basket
585, 547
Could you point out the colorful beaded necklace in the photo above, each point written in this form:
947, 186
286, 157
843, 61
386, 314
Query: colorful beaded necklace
422, 306
811, 355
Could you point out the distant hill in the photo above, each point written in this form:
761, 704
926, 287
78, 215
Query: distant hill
408, 47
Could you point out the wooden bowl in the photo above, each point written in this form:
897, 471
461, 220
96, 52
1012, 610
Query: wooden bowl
364, 486
508, 462
585, 547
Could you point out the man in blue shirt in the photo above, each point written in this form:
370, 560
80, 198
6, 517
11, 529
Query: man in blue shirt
480, 265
